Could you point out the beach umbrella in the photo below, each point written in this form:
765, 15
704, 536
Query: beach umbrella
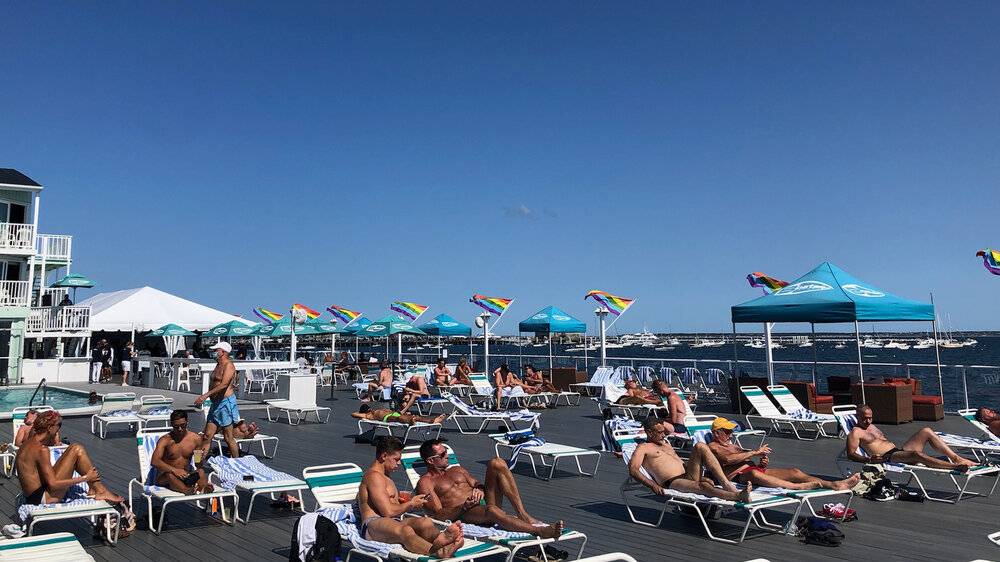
387, 327
551, 320
73, 281
230, 329
444, 325
172, 335
354, 327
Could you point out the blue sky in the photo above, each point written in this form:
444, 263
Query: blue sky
244, 154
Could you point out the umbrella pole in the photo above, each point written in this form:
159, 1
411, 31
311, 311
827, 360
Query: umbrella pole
399, 348
813, 327
767, 352
937, 357
861, 371
550, 355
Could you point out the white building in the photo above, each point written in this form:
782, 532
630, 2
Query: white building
40, 335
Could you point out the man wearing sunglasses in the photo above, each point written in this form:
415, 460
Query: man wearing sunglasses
44, 482
172, 458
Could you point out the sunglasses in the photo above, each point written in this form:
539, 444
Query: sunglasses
440, 456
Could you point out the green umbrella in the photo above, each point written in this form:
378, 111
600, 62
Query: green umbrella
283, 327
74, 280
389, 326
230, 329
171, 330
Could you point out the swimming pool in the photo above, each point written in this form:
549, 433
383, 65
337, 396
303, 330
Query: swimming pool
62, 399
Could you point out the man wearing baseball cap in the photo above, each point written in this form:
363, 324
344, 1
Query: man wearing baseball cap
223, 412
738, 465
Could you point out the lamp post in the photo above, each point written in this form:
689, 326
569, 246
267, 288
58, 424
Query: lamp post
602, 314
484, 319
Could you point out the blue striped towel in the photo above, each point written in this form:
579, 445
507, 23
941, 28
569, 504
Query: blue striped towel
162, 411
468, 409
231, 471
806, 415
688, 374
347, 523
516, 451
119, 414
76, 495
713, 376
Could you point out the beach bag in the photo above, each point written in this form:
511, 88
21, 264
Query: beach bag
326, 547
870, 475
105, 374
126, 521
815, 530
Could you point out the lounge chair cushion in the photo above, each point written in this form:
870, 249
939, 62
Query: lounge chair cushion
927, 399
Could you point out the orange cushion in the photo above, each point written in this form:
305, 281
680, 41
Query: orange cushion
824, 399
927, 399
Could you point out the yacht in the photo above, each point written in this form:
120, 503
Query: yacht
871, 343
756, 344
641, 338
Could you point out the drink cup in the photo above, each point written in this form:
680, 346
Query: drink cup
405, 496
196, 457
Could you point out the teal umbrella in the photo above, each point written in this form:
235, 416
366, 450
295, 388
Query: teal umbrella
171, 330
389, 326
74, 280
230, 329
283, 327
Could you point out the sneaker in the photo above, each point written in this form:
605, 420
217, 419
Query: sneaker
838, 511
13, 531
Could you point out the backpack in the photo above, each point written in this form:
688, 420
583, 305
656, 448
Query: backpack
883, 491
815, 530
327, 546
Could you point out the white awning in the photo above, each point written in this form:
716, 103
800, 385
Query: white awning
146, 308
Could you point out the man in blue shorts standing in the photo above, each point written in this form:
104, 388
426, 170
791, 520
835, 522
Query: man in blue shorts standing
223, 413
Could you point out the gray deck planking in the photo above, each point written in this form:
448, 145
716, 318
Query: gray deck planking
888, 531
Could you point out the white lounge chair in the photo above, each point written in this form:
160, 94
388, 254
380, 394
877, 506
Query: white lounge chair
116, 408
154, 409
595, 385
337, 485
701, 505
55, 546
301, 411
265, 481
785, 423
548, 454
414, 465
465, 417
421, 430
265, 382
847, 418
78, 508
17, 416
147, 488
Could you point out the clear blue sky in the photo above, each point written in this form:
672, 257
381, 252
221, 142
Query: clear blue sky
242, 154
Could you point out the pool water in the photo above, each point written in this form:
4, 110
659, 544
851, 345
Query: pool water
58, 398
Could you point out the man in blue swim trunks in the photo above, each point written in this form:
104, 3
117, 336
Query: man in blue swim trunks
223, 412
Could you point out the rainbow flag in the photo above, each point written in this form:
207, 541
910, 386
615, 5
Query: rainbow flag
343, 314
266, 315
991, 260
312, 314
495, 305
410, 310
767, 283
615, 305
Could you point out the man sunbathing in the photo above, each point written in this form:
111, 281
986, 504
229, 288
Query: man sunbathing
986, 416
25, 430
668, 471
414, 389
381, 507
43, 482
366, 412
454, 495
462, 372
376, 388
739, 466
635, 395
534, 379
172, 458
442, 374
881, 450
676, 409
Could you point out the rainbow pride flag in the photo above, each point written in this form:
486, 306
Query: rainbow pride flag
312, 314
343, 314
266, 315
615, 305
991, 260
410, 310
767, 283
494, 305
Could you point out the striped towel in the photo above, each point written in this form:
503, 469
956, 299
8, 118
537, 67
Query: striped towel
119, 414
468, 409
615, 424
687, 375
343, 515
231, 471
970, 442
516, 451
76, 495
713, 376
807, 415
162, 411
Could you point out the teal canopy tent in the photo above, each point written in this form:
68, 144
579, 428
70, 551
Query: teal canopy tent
390, 326
828, 294
444, 325
172, 335
551, 320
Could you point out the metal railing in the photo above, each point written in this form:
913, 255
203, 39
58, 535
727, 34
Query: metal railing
58, 318
14, 293
54, 246
17, 237
45, 393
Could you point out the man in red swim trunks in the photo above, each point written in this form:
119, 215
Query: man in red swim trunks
739, 467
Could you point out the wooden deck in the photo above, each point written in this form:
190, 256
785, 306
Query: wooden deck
885, 531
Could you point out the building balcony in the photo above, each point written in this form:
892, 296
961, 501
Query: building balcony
17, 239
54, 247
58, 319
14, 293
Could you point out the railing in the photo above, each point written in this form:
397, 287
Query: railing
55, 246
45, 393
14, 293
58, 318
52, 296
17, 237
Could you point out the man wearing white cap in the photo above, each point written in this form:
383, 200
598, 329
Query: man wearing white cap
223, 412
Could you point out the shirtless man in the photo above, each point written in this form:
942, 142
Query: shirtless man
454, 495
635, 395
381, 507
442, 374
534, 379
881, 450
366, 412
739, 466
462, 372
25, 430
670, 472
508, 384
41, 481
986, 416
223, 413
376, 389
414, 389
676, 409
172, 458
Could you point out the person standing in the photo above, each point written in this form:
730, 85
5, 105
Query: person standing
107, 360
96, 362
128, 354
223, 414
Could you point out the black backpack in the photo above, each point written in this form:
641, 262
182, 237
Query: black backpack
815, 530
327, 545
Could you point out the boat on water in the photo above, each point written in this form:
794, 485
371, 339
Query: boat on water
871, 343
645, 338
892, 344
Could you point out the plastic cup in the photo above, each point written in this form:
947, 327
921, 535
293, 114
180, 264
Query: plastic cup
196, 456
405, 496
